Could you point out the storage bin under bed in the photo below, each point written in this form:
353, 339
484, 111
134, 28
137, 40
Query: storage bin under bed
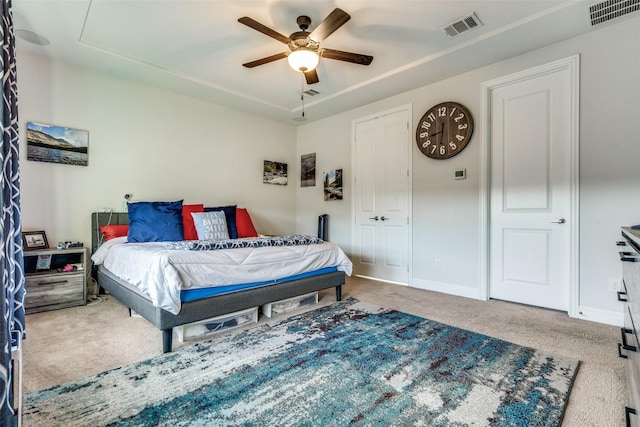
217, 324
285, 305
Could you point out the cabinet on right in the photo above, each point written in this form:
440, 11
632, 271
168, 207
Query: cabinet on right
629, 345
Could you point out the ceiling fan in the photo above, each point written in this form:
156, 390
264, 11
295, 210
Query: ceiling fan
304, 47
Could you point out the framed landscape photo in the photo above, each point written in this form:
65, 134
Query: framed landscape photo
274, 173
308, 170
34, 240
333, 185
56, 144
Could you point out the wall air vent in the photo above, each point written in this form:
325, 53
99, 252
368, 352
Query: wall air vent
611, 9
311, 92
460, 26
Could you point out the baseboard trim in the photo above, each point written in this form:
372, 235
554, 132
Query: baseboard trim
447, 288
380, 280
608, 317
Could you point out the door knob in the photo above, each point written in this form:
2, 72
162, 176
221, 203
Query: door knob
560, 221
375, 218
383, 218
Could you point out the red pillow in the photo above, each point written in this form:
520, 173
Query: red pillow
188, 226
112, 231
244, 224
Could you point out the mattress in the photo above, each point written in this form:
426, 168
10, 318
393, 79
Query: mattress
164, 274
201, 293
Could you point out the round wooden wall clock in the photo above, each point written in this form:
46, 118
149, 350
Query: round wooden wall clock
444, 130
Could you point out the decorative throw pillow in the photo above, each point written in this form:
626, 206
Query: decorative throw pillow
230, 216
155, 221
188, 226
244, 224
211, 225
112, 231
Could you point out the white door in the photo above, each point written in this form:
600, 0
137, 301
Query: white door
532, 164
381, 197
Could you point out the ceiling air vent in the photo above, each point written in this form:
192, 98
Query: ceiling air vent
460, 26
611, 9
311, 92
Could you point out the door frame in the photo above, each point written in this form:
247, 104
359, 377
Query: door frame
572, 64
409, 109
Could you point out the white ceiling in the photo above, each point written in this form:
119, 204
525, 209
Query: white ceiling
197, 47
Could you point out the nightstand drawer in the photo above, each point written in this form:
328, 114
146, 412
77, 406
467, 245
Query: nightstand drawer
53, 289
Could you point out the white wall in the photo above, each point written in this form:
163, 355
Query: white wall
151, 143
446, 212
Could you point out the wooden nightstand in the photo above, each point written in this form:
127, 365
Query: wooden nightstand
47, 288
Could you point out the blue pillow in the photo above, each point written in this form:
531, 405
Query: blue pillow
155, 221
230, 216
210, 225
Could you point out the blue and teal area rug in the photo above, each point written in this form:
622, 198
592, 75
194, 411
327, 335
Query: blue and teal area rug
350, 363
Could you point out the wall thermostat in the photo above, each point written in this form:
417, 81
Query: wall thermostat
460, 174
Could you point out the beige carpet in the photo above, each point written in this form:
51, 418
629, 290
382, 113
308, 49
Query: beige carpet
68, 344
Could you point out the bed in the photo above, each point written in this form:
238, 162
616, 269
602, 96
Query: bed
232, 298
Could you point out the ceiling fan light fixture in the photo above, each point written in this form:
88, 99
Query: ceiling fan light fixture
303, 60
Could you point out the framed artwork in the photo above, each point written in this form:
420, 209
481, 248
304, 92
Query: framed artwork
34, 240
333, 185
308, 170
44, 262
56, 144
274, 173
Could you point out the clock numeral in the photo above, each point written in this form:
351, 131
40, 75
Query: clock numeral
460, 137
426, 143
443, 150
424, 135
453, 145
453, 110
442, 111
433, 149
426, 125
460, 117
432, 117
464, 126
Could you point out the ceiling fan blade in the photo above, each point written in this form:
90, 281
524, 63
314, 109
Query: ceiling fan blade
311, 77
332, 22
252, 23
356, 58
266, 60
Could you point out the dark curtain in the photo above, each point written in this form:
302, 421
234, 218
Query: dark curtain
11, 259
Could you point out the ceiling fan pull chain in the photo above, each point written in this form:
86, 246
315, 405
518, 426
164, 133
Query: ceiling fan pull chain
302, 118
302, 93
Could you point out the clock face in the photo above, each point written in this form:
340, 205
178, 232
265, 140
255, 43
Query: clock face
444, 130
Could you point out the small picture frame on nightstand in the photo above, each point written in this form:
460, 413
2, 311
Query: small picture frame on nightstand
34, 240
44, 262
